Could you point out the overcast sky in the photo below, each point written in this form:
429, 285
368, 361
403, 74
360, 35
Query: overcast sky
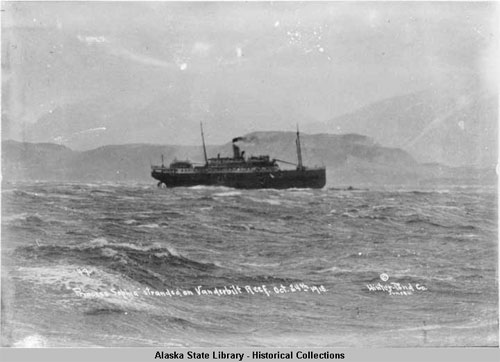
320, 60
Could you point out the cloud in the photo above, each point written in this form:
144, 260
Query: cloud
141, 58
374, 18
122, 52
201, 49
92, 39
487, 64
61, 139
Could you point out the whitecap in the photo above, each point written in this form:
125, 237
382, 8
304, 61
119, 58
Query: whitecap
33, 341
228, 193
260, 265
150, 226
109, 252
162, 255
99, 242
172, 250
14, 217
346, 214
334, 269
199, 187
75, 280
266, 201
206, 208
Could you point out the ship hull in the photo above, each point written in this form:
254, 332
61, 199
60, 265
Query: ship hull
283, 179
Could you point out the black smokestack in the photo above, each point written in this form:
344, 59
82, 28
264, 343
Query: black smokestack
236, 151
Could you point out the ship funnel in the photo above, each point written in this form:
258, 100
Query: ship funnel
236, 151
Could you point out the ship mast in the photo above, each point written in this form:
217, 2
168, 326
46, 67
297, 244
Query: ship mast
204, 148
299, 151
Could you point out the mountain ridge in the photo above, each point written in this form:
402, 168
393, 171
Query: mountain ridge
456, 126
350, 159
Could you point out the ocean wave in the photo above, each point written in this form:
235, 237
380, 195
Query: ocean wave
419, 220
29, 194
15, 217
430, 327
100, 311
32, 341
335, 270
103, 242
424, 221
385, 208
260, 265
348, 214
243, 227
240, 239
210, 188
157, 266
207, 208
149, 226
88, 286
150, 264
266, 201
27, 219
227, 194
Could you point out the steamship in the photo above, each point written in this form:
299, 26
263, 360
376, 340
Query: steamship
240, 172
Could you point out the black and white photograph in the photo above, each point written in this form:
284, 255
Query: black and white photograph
275, 175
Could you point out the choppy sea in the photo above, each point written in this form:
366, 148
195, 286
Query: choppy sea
134, 265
